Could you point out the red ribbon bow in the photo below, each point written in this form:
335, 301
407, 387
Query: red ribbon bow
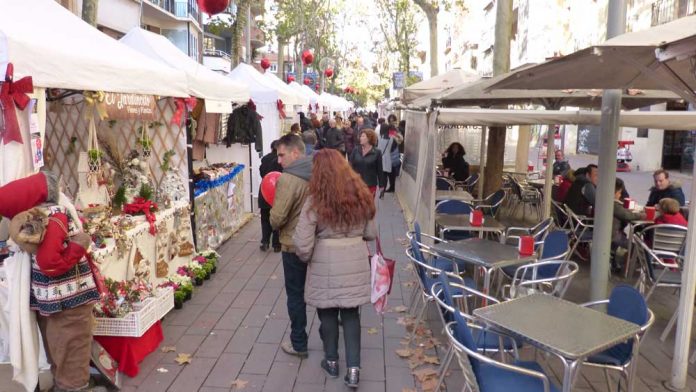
147, 207
181, 104
316, 106
281, 109
13, 93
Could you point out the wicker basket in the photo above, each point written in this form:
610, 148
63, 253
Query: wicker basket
137, 322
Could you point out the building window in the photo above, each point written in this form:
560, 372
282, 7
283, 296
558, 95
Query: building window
273, 68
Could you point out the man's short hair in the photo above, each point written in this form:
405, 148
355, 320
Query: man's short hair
669, 205
309, 138
293, 142
661, 171
591, 166
619, 185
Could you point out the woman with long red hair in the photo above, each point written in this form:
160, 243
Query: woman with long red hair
336, 220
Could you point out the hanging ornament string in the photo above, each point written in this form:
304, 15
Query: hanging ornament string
13, 93
95, 99
281, 108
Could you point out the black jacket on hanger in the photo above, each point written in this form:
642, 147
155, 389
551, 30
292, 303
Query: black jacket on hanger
244, 126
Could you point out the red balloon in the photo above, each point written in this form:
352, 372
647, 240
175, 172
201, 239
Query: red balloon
212, 7
265, 63
268, 186
307, 81
291, 78
307, 57
328, 73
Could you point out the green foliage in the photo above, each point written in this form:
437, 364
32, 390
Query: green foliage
146, 192
179, 295
200, 273
217, 26
186, 288
398, 26
120, 197
166, 160
94, 155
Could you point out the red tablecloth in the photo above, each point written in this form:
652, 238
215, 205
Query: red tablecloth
129, 352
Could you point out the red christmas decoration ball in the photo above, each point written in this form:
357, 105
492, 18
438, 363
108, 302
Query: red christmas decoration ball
291, 78
212, 7
307, 57
265, 63
307, 81
328, 73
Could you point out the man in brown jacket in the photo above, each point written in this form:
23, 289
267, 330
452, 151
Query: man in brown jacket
291, 191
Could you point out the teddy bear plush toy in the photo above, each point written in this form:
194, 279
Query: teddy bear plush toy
63, 288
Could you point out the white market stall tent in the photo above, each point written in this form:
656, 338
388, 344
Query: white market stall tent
296, 98
265, 96
218, 91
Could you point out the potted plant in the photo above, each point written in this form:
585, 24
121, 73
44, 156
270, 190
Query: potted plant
201, 275
188, 290
208, 268
94, 160
179, 299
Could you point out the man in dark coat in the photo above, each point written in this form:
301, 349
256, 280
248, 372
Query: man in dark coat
269, 163
581, 194
664, 188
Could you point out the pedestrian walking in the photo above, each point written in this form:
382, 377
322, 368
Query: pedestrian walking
336, 220
388, 144
269, 163
366, 160
291, 191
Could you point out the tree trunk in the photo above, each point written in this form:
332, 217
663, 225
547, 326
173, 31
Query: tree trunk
495, 158
89, 11
431, 12
281, 60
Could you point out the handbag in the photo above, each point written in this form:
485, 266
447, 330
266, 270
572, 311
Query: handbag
381, 277
92, 191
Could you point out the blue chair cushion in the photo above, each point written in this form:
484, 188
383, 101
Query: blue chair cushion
494, 379
446, 265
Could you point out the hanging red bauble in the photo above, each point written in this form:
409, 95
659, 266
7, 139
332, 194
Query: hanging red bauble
307, 57
328, 73
212, 7
307, 81
316, 86
291, 78
265, 63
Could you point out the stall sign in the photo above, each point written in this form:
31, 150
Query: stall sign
129, 106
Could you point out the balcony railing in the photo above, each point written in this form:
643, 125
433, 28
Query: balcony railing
179, 8
217, 53
664, 11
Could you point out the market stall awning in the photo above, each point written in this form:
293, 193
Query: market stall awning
310, 95
673, 120
218, 91
59, 50
296, 98
260, 89
661, 57
438, 84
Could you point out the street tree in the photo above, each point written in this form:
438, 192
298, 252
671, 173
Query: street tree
398, 27
89, 11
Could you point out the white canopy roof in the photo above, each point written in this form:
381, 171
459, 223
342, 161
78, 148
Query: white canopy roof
251, 73
675, 120
310, 95
260, 88
59, 50
335, 102
443, 82
218, 91
296, 97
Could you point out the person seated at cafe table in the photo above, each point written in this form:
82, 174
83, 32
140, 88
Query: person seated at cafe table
453, 161
581, 195
622, 217
670, 213
664, 188
560, 166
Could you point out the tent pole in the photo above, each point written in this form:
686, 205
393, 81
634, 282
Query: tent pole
251, 183
482, 162
550, 151
604, 201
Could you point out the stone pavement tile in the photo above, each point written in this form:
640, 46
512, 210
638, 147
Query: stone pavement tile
187, 344
260, 358
243, 340
245, 299
233, 286
337, 385
125, 388
157, 381
192, 375
392, 329
247, 271
255, 382
282, 376
372, 364
280, 309
398, 378
368, 340
273, 331
146, 367
215, 343
256, 282
204, 323
222, 301
225, 370
257, 316
212, 389
390, 357
308, 387
268, 266
231, 319
310, 372
172, 334
185, 316
269, 296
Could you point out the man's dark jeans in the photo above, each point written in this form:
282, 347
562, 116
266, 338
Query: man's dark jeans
267, 230
295, 275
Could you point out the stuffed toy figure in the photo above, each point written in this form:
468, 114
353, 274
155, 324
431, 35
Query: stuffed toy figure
63, 289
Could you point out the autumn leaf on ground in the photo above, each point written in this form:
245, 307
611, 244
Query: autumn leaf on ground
239, 384
429, 385
408, 284
414, 363
402, 241
431, 360
274, 277
168, 349
404, 352
372, 331
405, 321
425, 373
405, 342
183, 358
408, 390
398, 309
